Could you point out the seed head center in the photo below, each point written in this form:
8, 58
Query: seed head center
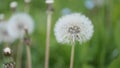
74, 30
20, 26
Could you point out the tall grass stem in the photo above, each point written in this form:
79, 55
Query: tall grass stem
48, 39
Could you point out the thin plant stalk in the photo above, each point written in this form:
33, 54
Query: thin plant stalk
19, 54
29, 63
48, 39
27, 7
14, 10
72, 54
27, 42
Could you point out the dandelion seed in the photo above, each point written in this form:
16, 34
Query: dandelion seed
19, 22
75, 27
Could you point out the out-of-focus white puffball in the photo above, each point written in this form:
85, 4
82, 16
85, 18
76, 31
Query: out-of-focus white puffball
5, 36
7, 50
19, 22
13, 4
49, 1
27, 1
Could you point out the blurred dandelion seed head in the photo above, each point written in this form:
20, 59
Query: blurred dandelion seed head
4, 33
7, 50
13, 4
27, 1
19, 22
73, 27
49, 1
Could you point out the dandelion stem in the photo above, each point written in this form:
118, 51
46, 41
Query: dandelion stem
19, 55
13, 10
26, 8
29, 63
72, 55
48, 39
27, 42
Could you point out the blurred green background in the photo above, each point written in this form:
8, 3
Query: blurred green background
102, 51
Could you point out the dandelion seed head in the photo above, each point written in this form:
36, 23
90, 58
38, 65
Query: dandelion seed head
75, 27
49, 1
7, 51
19, 22
27, 1
4, 33
13, 4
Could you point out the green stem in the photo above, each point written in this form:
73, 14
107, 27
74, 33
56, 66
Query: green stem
29, 61
26, 8
19, 55
72, 54
48, 39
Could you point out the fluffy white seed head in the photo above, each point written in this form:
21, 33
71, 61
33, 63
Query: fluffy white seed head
73, 27
5, 36
27, 1
7, 50
13, 4
49, 1
19, 22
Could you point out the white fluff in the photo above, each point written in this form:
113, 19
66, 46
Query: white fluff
18, 23
5, 36
83, 32
49, 1
13, 4
7, 50
27, 1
